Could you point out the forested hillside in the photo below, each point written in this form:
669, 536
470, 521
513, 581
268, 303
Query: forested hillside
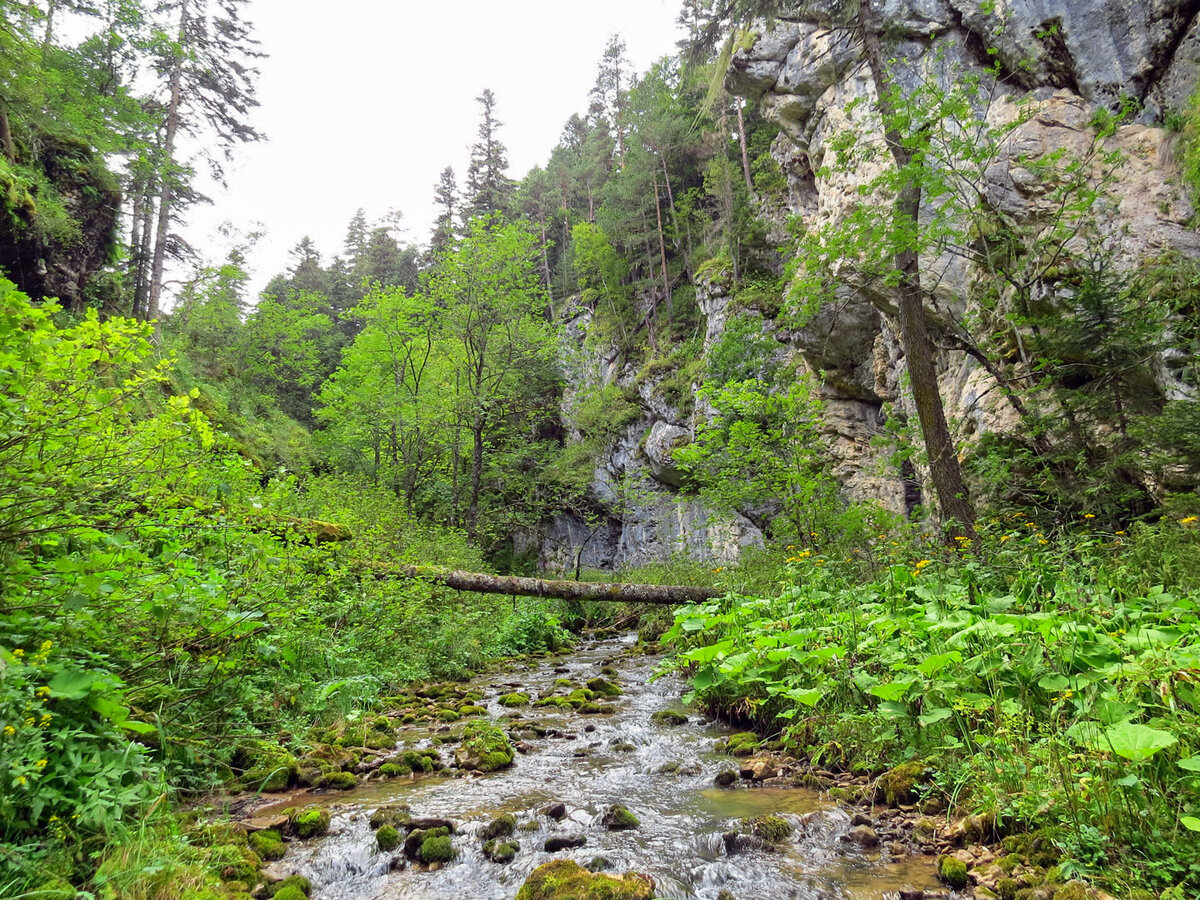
881, 319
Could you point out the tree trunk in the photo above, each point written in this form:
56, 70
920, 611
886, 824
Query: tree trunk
662, 249
953, 499
154, 301
141, 296
476, 475
513, 586
7, 144
745, 153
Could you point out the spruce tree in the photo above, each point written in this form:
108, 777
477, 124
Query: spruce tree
488, 185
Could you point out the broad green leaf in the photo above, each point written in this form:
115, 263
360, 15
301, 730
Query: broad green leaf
808, 698
1191, 823
1134, 742
137, 727
934, 664
892, 691
891, 710
1129, 780
1053, 683
935, 715
71, 684
1192, 764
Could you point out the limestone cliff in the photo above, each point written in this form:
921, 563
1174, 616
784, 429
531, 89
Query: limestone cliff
1060, 62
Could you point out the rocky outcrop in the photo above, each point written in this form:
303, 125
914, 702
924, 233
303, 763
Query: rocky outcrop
58, 224
1068, 59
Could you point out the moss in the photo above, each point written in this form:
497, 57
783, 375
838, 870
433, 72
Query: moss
290, 892
470, 709
484, 747
772, 829
501, 826
387, 838
603, 687
418, 762
448, 715
952, 871
310, 821
501, 852
338, 781
265, 766
268, 844
299, 882
669, 717
394, 769
563, 682
619, 818
395, 814
744, 743
898, 783
437, 849
1072, 890
514, 699
1006, 888
564, 879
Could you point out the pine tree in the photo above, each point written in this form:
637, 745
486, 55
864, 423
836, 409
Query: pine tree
488, 185
445, 198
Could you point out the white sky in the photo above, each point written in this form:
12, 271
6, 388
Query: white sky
364, 104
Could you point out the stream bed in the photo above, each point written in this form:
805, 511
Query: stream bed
662, 773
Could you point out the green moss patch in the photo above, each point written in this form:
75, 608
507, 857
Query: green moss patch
387, 838
310, 821
563, 879
514, 700
501, 826
484, 747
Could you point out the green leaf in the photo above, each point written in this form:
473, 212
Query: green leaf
71, 684
935, 715
1191, 823
934, 664
892, 691
138, 727
1129, 780
1192, 764
808, 698
1053, 683
1136, 743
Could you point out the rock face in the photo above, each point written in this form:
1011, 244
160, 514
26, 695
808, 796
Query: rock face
1062, 62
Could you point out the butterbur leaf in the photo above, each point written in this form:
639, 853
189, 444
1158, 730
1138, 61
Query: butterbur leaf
1192, 764
934, 664
1129, 780
1053, 683
891, 691
1136, 743
935, 715
808, 698
1191, 823
71, 684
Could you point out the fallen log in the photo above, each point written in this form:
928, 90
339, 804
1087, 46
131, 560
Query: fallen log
515, 586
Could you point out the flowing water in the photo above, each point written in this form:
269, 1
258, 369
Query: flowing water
586, 762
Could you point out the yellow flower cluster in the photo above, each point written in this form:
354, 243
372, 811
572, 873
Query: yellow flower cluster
1190, 520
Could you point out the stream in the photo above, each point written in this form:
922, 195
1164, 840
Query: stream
663, 774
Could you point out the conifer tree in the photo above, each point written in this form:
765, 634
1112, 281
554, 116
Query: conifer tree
445, 198
488, 185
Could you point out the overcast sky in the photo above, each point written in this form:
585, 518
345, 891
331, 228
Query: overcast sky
365, 103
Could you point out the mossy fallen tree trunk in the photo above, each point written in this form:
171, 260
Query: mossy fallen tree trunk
512, 585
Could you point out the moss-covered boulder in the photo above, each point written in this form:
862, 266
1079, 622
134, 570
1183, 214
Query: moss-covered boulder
268, 844
501, 851
953, 871
290, 892
337, 781
603, 687
470, 709
669, 717
387, 838
295, 882
618, 818
514, 700
438, 849
564, 879
898, 785
309, 821
265, 766
744, 743
500, 826
484, 747
772, 829
398, 815
394, 769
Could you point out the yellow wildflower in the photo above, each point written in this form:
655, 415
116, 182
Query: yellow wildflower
45, 721
1118, 532
21, 780
41, 763
1189, 520
923, 563
43, 691
1089, 515
46, 645
18, 653
9, 731
30, 720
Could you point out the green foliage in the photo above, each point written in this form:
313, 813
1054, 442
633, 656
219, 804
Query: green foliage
1039, 680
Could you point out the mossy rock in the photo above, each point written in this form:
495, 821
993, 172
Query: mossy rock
299, 882
514, 700
898, 784
418, 762
952, 871
744, 743
311, 821
265, 766
501, 826
603, 687
338, 781
669, 717
564, 879
387, 838
470, 709
581, 694
772, 829
437, 849
1072, 890
602, 709
290, 892
235, 863
394, 769
268, 844
484, 747
501, 851
564, 682
394, 814
618, 818
448, 715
